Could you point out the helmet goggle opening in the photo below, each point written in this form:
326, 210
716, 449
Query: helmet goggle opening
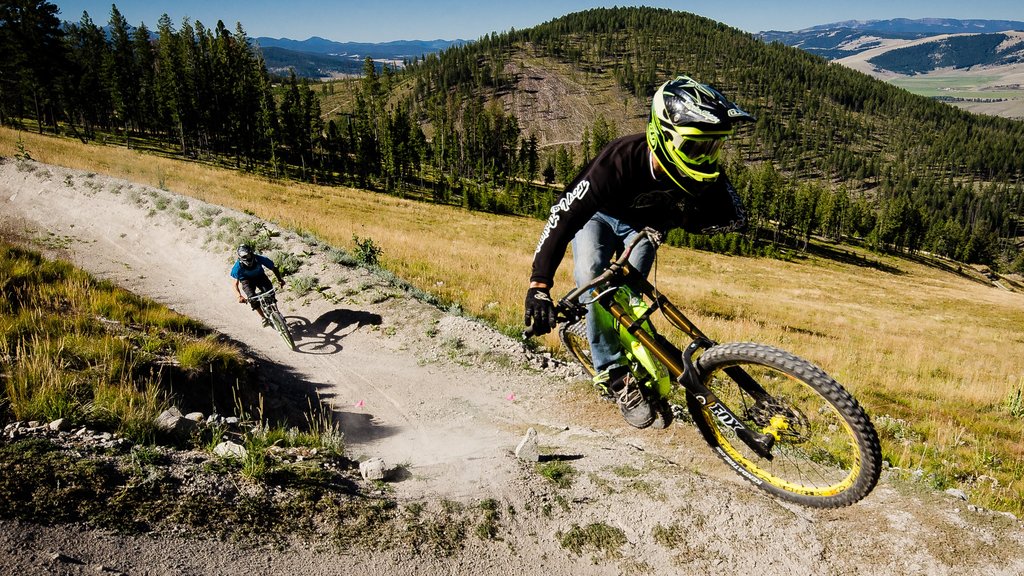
698, 149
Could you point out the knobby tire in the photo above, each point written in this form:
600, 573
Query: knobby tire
826, 453
574, 340
282, 328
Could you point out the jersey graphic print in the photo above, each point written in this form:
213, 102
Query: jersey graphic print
563, 205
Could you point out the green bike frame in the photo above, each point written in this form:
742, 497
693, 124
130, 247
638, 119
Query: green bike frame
658, 379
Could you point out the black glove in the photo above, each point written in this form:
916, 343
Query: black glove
540, 311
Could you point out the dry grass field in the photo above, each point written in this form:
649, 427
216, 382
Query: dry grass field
935, 355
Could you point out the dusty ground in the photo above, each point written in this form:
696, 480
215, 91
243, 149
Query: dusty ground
388, 364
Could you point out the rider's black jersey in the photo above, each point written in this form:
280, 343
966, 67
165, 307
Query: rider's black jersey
620, 182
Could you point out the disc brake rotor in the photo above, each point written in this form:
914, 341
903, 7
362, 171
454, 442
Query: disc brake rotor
776, 416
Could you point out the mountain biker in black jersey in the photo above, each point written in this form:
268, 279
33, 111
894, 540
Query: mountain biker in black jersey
667, 178
250, 278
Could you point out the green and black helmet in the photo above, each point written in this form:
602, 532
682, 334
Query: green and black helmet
689, 123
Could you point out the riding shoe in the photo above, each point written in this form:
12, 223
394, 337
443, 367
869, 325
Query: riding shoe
634, 407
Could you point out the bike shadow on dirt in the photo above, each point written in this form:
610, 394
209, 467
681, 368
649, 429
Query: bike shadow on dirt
324, 335
359, 428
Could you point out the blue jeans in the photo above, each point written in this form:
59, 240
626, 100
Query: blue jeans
593, 248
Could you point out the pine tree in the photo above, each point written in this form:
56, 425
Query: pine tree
123, 74
145, 66
34, 61
88, 97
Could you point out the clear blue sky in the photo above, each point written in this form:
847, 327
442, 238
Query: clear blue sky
384, 20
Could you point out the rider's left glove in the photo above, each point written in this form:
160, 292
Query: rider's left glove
540, 311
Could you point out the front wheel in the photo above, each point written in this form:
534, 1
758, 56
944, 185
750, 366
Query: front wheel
826, 453
282, 328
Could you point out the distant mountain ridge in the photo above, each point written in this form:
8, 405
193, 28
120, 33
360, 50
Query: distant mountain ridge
977, 65
851, 37
397, 49
925, 26
318, 57
282, 61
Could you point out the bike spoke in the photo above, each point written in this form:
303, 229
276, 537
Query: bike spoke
815, 452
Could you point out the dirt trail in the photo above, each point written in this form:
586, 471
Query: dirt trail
388, 364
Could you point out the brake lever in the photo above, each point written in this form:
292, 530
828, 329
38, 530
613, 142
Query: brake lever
565, 312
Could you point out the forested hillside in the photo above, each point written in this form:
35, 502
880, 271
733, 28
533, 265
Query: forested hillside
954, 52
834, 153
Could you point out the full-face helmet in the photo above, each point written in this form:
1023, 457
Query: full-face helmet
246, 255
689, 124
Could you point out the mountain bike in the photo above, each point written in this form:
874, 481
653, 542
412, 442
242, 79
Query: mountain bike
267, 302
777, 420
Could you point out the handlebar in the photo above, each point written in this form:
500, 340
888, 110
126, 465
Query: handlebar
570, 308
649, 234
262, 295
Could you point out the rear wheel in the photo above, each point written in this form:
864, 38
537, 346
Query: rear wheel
574, 339
826, 452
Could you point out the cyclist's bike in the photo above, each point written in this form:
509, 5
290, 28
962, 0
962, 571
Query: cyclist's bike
779, 421
268, 303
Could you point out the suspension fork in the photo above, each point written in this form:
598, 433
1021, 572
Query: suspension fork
680, 365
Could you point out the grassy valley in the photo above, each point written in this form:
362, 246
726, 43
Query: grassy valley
994, 89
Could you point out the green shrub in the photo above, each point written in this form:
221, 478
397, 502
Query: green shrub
286, 262
558, 471
339, 256
303, 285
599, 536
367, 252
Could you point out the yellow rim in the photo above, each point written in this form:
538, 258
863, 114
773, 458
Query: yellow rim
782, 483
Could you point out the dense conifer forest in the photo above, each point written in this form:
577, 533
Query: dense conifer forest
954, 52
833, 154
